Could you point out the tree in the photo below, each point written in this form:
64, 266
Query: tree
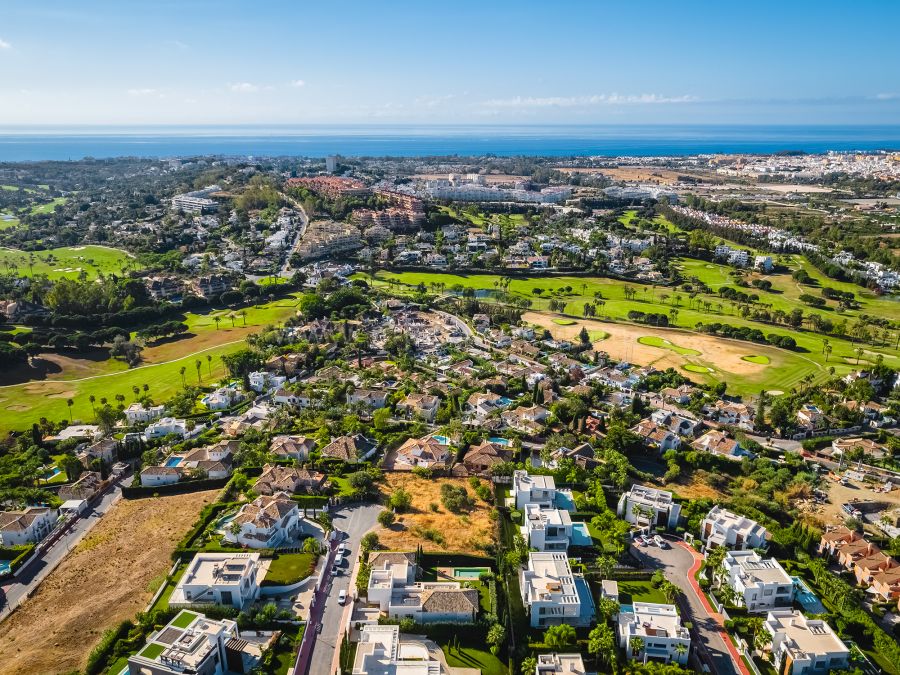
386, 518
93, 399
369, 541
602, 644
400, 500
209, 364
198, 363
558, 637
637, 646
217, 319
496, 636
70, 403
183, 381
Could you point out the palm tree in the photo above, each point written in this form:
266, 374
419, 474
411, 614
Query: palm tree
217, 319
231, 316
197, 364
244, 316
859, 353
183, 383
70, 403
637, 646
681, 649
209, 363
145, 387
135, 390
827, 351
93, 399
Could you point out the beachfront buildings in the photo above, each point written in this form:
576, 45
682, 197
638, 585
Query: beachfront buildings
29, 525
721, 527
760, 584
394, 589
192, 643
805, 646
645, 506
231, 579
547, 529
380, 652
552, 594
559, 664
269, 521
659, 629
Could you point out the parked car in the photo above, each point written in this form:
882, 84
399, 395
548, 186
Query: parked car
339, 560
659, 541
342, 597
335, 570
343, 550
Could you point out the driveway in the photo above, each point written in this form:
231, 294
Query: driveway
29, 577
679, 562
355, 521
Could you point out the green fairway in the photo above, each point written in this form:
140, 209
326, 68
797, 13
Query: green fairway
754, 358
68, 261
597, 335
49, 207
662, 343
564, 322
694, 368
7, 221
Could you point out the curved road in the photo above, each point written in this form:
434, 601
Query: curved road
679, 562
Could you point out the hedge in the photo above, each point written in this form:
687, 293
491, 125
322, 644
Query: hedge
182, 487
457, 560
207, 515
16, 555
100, 655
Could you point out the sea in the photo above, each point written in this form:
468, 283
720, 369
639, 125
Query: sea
38, 143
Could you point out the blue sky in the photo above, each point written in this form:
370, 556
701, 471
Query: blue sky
484, 62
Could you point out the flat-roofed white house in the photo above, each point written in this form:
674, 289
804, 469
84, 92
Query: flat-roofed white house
552, 594
166, 426
646, 506
547, 529
559, 664
380, 652
760, 584
393, 587
269, 521
29, 525
721, 527
136, 413
808, 646
660, 631
231, 579
540, 490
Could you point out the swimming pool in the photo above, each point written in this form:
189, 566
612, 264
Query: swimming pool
443, 440
173, 461
500, 441
469, 572
504, 401
4, 567
580, 535
809, 600
53, 472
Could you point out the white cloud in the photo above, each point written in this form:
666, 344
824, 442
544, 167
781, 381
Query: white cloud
583, 101
887, 97
4, 44
298, 83
243, 87
143, 92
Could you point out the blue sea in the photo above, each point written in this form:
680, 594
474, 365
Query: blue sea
63, 143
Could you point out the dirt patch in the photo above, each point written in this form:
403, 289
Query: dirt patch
831, 513
631, 173
103, 581
464, 533
68, 393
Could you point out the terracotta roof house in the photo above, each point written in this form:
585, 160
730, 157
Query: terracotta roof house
481, 458
425, 452
276, 478
350, 448
423, 405
269, 521
718, 443
29, 525
656, 436
292, 447
84, 488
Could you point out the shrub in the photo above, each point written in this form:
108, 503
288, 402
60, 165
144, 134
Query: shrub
455, 498
386, 518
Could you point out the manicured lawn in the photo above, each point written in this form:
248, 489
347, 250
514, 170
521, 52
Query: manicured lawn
289, 568
68, 261
7, 221
162, 602
472, 657
597, 335
564, 322
49, 207
184, 619
639, 591
662, 343
694, 368
342, 485
753, 358
154, 649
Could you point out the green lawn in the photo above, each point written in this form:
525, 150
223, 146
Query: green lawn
754, 358
639, 591
154, 649
289, 568
597, 335
184, 619
162, 602
694, 368
7, 221
662, 343
49, 207
68, 261
473, 657
564, 322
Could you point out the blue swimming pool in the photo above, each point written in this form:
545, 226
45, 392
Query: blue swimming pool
504, 401
173, 461
580, 535
809, 600
4, 567
55, 471
500, 441
443, 440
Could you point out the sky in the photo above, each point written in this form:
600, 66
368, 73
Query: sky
94, 62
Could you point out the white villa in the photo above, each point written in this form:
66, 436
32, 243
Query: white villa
724, 528
220, 579
136, 413
539, 490
27, 526
659, 628
393, 587
269, 521
559, 664
164, 427
809, 646
547, 529
380, 652
760, 584
646, 506
550, 592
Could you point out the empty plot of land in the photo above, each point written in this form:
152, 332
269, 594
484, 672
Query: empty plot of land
435, 530
106, 579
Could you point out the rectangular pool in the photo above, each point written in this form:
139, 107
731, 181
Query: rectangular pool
469, 572
580, 535
173, 461
499, 441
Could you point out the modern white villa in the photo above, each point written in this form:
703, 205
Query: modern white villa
552, 594
380, 652
547, 529
724, 528
659, 629
760, 584
231, 579
646, 506
559, 664
539, 490
808, 646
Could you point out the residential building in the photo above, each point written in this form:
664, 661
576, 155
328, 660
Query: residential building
87, 485
104, 450
356, 448
393, 587
724, 528
231, 579
29, 525
164, 427
810, 416
552, 594
763, 263
421, 405
136, 413
269, 521
372, 399
197, 201
647, 506
292, 447
276, 478
656, 437
192, 643
547, 529
379, 652
659, 628
804, 646
540, 490
718, 443
759, 584
426, 452
223, 398
482, 457
559, 664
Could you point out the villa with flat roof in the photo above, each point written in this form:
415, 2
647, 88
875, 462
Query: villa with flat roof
559, 664
724, 528
231, 579
547, 529
659, 628
761, 584
540, 490
808, 646
647, 506
380, 652
552, 594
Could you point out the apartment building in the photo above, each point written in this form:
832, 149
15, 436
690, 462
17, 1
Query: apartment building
231, 579
547, 529
646, 506
552, 594
761, 584
721, 527
660, 631
804, 646
197, 201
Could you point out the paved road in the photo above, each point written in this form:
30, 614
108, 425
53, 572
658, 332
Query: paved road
355, 521
676, 563
33, 573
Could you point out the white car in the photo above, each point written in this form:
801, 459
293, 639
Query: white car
343, 550
339, 560
342, 597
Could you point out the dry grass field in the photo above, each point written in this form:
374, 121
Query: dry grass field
463, 533
106, 579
